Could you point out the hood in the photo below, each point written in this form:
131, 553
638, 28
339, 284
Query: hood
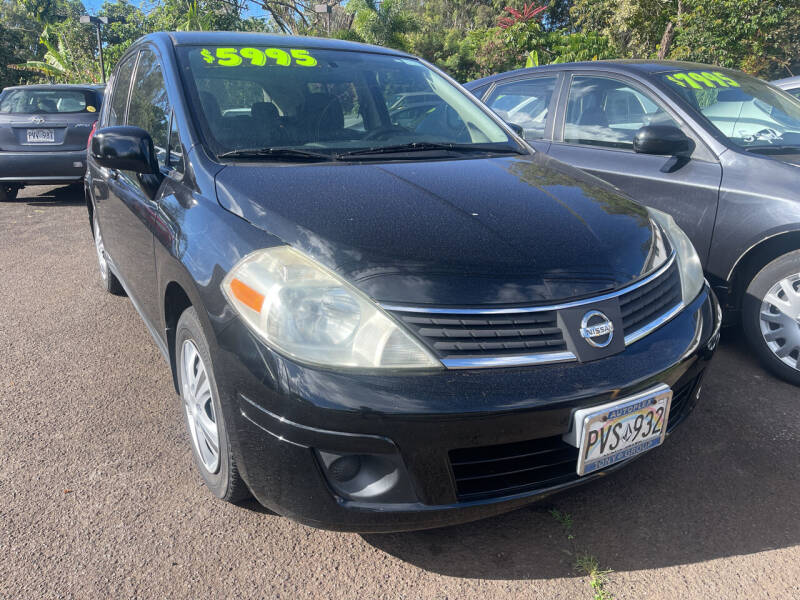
499, 231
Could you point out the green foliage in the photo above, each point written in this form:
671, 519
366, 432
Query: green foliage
468, 38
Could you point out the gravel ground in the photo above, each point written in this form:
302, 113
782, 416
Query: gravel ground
99, 497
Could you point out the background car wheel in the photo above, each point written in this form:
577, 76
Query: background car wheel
771, 316
110, 281
8, 193
203, 411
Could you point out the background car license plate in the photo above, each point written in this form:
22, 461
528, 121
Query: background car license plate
38, 136
622, 429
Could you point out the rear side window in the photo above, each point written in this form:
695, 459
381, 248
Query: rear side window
149, 108
55, 101
524, 103
122, 83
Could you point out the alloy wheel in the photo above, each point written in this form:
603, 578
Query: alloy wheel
198, 403
780, 320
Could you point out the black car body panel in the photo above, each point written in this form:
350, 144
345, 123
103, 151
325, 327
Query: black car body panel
477, 220
740, 209
500, 231
62, 160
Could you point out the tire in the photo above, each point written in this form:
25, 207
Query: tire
202, 408
771, 316
110, 281
8, 192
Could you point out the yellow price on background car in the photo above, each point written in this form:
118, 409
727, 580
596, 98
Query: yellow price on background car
699, 80
233, 57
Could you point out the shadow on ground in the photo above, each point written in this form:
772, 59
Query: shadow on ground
70, 195
725, 483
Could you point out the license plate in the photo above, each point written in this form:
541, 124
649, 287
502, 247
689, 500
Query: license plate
620, 430
38, 136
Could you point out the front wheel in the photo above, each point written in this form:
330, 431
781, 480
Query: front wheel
203, 411
110, 281
771, 316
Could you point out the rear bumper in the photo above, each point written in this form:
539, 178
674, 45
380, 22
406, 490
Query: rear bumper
42, 167
287, 417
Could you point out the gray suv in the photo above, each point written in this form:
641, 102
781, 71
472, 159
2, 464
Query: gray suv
43, 134
715, 148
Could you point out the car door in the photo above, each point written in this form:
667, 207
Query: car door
597, 120
131, 206
529, 103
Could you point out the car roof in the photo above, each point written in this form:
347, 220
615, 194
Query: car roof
243, 38
631, 66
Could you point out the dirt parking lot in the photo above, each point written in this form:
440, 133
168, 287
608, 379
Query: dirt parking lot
99, 497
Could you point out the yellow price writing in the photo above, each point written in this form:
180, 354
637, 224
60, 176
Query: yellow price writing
699, 80
233, 57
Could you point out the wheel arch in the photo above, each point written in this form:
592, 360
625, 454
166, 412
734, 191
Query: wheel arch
176, 301
755, 259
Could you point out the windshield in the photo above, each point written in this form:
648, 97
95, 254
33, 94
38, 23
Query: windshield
25, 101
330, 103
747, 111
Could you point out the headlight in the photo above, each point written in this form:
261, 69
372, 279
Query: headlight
689, 266
307, 312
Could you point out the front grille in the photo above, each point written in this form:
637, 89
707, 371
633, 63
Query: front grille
470, 337
643, 305
506, 469
467, 336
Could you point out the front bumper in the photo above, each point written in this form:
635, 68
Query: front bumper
42, 167
286, 417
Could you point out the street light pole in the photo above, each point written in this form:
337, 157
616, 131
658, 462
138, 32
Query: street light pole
97, 21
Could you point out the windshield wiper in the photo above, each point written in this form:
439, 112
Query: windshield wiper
773, 148
276, 153
423, 146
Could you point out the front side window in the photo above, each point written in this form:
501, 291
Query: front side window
524, 103
55, 101
149, 108
602, 111
328, 102
120, 88
746, 110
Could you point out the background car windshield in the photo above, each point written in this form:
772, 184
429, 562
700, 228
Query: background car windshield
328, 101
24, 101
746, 110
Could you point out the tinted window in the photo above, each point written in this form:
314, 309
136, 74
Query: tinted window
149, 108
607, 112
524, 103
120, 87
327, 101
29, 101
795, 92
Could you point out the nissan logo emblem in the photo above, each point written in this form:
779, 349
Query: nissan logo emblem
597, 329
38, 120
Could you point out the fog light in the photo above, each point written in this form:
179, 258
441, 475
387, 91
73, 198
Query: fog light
345, 468
367, 477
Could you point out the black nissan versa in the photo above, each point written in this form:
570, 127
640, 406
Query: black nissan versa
380, 324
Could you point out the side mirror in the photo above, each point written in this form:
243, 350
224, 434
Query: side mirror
126, 149
665, 140
518, 129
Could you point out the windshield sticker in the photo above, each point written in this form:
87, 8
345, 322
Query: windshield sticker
91, 108
702, 79
233, 57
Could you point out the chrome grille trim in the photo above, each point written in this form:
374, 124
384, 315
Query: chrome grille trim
543, 358
528, 309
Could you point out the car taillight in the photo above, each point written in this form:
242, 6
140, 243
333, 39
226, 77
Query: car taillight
91, 134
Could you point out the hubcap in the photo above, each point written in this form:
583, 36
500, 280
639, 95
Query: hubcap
780, 320
199, 406
101, 254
